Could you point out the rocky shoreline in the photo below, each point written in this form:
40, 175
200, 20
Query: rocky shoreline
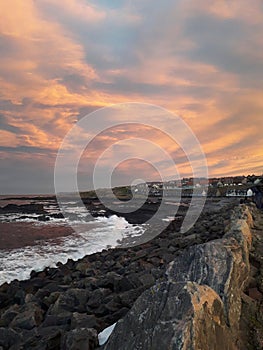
65, 307
211, 297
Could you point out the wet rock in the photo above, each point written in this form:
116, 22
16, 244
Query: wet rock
43, 218
57, 215
25, 208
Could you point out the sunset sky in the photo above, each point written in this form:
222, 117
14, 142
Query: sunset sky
60, 60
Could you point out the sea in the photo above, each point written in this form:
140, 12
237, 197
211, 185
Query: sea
28, 244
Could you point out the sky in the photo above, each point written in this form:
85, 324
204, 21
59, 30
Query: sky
201, 61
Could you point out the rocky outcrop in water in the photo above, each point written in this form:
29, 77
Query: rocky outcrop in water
23, 208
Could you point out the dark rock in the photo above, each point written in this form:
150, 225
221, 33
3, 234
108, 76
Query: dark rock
62, 319
100, 311
80, 339
147, 280
48, 299
82, 267
8, 338
112, 305
4, 300
113, 318
8, 316
25, 208
128, 298
97, 297
57, 215
43, 218
83, 321
53, 287
120, 313
30, 316
71, 300
38, 282
122, 284
47, 338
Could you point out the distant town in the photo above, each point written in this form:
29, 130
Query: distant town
217, 186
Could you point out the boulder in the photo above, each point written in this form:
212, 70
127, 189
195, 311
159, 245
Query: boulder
173, 315
79, 320
80, 339
30, 315
9, 315
46, 338
61, 319
97, 297
72, 300
8, 338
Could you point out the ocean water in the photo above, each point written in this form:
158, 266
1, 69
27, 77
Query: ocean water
91, 235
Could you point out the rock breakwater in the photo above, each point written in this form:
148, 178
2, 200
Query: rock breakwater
200, 305
166, 292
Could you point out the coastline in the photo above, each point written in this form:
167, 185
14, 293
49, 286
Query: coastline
98, 290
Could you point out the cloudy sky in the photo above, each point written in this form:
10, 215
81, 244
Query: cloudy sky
60, 60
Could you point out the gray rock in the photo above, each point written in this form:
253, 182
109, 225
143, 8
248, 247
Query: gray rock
147, 279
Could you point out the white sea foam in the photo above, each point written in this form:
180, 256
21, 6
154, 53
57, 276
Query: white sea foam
168, 218
92, 237
75, 215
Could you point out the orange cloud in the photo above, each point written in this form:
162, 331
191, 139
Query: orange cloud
200, 60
